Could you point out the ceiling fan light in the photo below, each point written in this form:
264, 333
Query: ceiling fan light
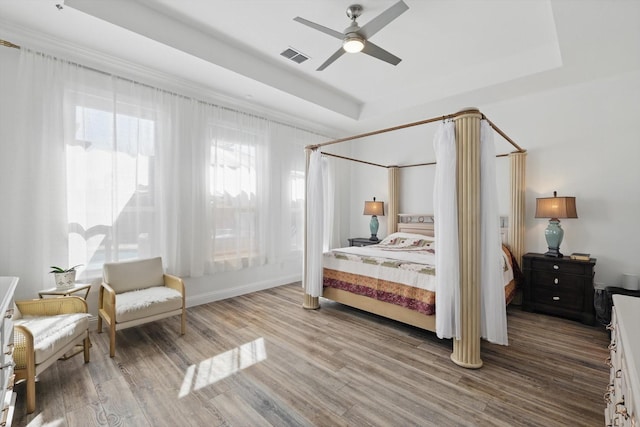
353, 43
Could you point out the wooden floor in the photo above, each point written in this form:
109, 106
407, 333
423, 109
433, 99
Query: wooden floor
262, 360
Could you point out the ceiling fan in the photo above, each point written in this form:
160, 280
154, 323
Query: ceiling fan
356, 38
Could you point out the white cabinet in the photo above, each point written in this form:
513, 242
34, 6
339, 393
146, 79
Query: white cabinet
7, 396
623, 391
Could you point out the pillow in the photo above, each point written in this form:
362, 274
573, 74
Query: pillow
401, 239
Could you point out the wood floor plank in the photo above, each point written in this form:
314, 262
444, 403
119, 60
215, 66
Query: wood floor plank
262, 360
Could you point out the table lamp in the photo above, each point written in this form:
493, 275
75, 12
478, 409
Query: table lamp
374, 209
554, 208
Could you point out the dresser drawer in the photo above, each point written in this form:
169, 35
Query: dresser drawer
561, 298
7, 338
566, 282
561, 267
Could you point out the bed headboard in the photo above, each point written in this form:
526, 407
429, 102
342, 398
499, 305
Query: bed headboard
423, 224
426, 229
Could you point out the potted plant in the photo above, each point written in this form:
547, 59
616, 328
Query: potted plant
64, 278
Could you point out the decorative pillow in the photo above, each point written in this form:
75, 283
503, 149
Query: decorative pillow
401, 239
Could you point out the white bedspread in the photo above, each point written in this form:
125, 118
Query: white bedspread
403, 258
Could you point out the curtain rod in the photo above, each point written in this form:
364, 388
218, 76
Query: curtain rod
418, 123
6, 43
353, 160
15, 46
324, 153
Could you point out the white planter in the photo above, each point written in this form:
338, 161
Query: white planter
65, 280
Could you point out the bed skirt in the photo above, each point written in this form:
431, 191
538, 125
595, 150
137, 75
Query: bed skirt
395, 301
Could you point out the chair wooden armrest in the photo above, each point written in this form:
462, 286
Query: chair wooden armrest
22, 339
174, 282
52, 306
106, 304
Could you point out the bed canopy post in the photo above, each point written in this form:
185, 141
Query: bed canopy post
466, 350
518, 163
310, 302
393, 208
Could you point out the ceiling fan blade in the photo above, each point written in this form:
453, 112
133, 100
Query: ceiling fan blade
334, 33
332, 58
380, 21
378, 52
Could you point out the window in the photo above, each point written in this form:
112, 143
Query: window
297, 189
233, 187
110, 201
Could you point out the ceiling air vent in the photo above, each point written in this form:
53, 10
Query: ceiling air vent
294, 55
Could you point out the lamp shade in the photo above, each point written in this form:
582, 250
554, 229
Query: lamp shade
556, 207
373, 208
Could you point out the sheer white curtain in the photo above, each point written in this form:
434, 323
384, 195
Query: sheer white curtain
446, 224
239, 189
493, 308
331, 234
183, 167
112, 176
110, 169
34, 221
315, 226
287, 166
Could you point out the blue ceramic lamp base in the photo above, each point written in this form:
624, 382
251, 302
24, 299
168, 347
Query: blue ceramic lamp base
554, 234
373, 227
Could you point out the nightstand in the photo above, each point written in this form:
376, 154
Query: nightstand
362, 241
559, 286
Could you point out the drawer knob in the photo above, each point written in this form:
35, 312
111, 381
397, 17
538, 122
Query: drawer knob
556, 298
556, 267
555, 281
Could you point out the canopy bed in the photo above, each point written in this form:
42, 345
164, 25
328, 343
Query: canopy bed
462, 309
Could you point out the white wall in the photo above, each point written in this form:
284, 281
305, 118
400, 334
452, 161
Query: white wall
581, 140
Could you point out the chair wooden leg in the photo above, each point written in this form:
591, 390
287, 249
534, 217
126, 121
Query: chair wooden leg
183, 321
87, 345
112, 340
99, 324
31, 389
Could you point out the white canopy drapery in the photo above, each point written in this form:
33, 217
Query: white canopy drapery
493, 311
446, 224
315, 227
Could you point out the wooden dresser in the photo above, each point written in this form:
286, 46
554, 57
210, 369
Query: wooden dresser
623, 391
559, 286
8, 396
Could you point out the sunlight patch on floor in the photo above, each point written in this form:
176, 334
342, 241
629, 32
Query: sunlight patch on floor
216, 368
39, 422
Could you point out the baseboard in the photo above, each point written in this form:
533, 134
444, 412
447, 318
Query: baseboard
220, 294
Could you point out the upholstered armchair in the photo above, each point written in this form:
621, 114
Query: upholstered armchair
46, 330
137, 292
